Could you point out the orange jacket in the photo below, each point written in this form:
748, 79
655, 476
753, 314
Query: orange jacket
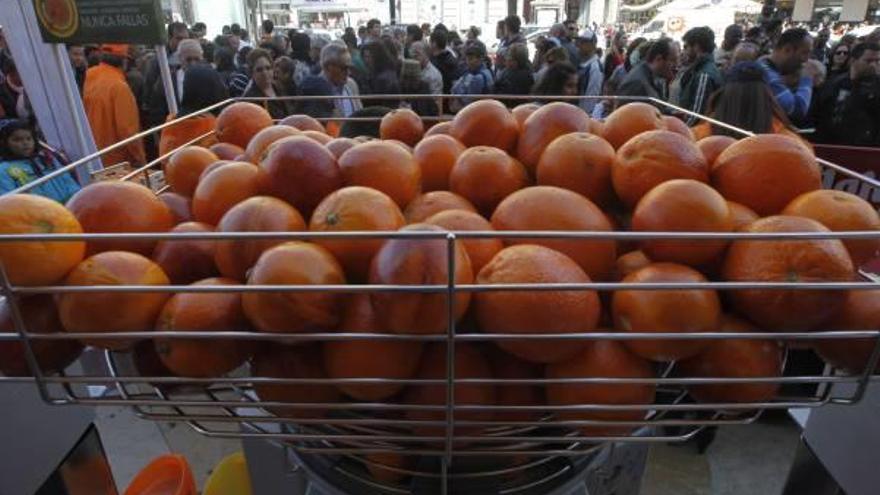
113, 114
183, 132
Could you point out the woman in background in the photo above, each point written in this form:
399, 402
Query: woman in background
202, 87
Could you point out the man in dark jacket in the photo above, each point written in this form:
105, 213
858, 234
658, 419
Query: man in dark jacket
848, 109
649, 78
701, 76
444, 61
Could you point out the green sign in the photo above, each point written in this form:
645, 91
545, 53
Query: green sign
101, 21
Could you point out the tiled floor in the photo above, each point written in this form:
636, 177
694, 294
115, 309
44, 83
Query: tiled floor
750, 459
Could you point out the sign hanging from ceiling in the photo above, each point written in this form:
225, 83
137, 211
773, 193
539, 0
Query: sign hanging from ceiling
101, 21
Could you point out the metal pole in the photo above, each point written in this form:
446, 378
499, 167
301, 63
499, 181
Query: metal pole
167, 83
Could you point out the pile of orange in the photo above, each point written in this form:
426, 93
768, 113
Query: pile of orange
548, 168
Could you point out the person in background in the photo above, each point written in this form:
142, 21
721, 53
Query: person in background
358, 70
241, 77
77, 54
283, 68
22, 161
839, 62
382, 74
300, 45
224, 64
411, 83
561, 79
512, 25
374, 31
333, 80
413, 34
818, 70
848, 108
755, 35
789, 55
156, 109
646, 79
93, 55
266, 29
554, 55
189, 53
517, 78
264, 85
745, 101
476, 81
733, 34
134, 76
634, 52
202, 87
820, 46
111, 107
616, 55
316, 44
590, 74
559, 37
443, 60
426, 30
429, 74
571, 28
746, 51
701, 77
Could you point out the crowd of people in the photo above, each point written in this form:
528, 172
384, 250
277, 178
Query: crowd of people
762, 79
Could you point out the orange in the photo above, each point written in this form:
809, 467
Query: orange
355, 208
436, 155
651, 158
258, 214
288, 361
180, 206
860, 311
340, 145
675, 125
302, 172
426, 205
485, 123
40, 315
241, 121
579, 162
485, 176
294, 263
630, 262
766, 172
680, 311
808, 260
110, 312
712, 146
185, 166
260, 143
412, 261
373, 358
384, 166
682, 205
735, 358
226, 151
187, 260
631, 120
552, 208
303, 123
439, 128
543, 126
508, 367
740, 215
469, 363
522, 111
120, 207
202, 312
402, 124
535, 312
318, 136
601, 359
224, 188
35, 262
841, 212
480, 251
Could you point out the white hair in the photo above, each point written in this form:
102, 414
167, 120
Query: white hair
333, 53
189, 45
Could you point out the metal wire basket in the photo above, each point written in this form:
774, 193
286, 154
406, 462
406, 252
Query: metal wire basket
510, 456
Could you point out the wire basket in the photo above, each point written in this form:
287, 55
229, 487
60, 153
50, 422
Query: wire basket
532, 455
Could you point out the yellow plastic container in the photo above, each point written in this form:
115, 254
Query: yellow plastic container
230, 477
